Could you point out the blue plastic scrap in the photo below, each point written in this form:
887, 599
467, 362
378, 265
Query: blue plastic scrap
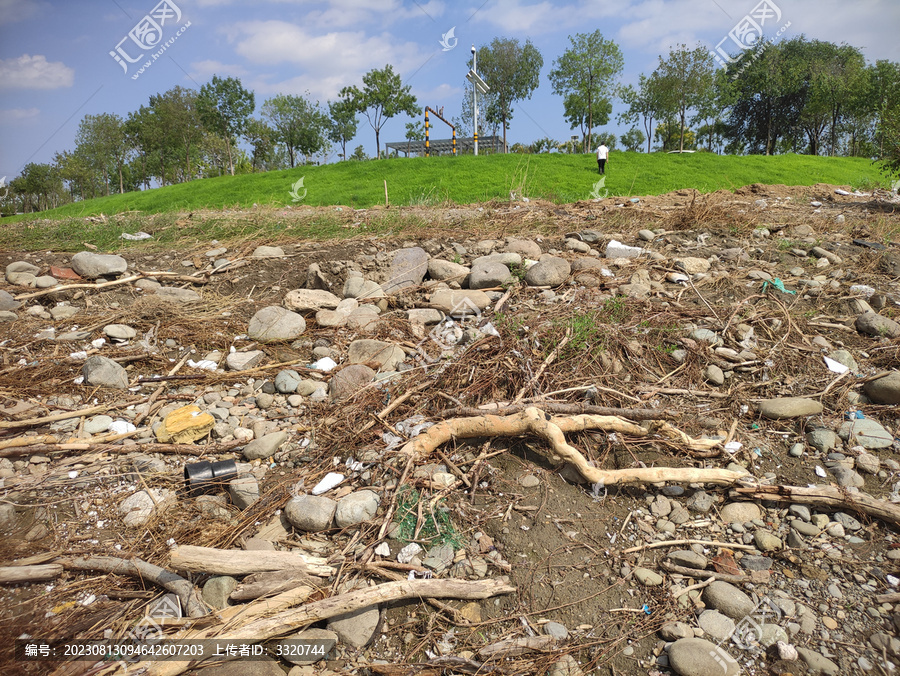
646, 609
778, 284
854, 415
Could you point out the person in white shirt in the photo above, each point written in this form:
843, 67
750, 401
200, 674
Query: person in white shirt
602, 156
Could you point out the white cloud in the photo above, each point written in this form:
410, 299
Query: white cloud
13, 115
34, 72
329, 60
204, 70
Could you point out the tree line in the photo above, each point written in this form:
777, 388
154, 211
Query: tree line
799, 95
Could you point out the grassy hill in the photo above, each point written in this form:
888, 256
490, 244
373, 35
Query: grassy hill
468, 179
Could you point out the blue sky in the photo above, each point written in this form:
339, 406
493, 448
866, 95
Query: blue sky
55, 63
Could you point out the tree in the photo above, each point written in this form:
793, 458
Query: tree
414, 132
261, 138
39, 185
298, 123
838, 76
101, 141
225, 108
590, 69
342, 123
359, 154
884, 93
513, 72
576, 114
382, 96
179, 121
685, 77
768, 100
645, 104
633, 139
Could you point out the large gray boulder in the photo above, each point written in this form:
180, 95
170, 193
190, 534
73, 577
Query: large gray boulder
548, 271
408, 268
875, 325
276, 323
102, 372
92, 265
884, 390
349, 380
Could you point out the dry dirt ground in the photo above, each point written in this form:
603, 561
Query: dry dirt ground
510, 510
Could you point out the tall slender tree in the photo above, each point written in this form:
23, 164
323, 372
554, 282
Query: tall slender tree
590, 69
298, 123
342, 124
382, 96
225, 108
513, 72
685, 77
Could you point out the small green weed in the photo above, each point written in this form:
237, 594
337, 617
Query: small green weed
436, 525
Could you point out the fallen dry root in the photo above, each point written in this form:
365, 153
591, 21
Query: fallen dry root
825, 496
188, 593
534, 421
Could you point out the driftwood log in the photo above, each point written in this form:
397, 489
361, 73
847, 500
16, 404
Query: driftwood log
824, 496
16, 574
238, 562
269, 583
534, 421
292, 620
186, 592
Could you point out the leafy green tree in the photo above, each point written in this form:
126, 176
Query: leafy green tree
261, 138
884, 93
589, 68
768, 98
645, 104
180, 127
342, 123
39, 185
359, 154
576, 114
685, 77
383, 95
839, 76
101, 141
513, 72
414, 132
225, 108
298, 123
633, 140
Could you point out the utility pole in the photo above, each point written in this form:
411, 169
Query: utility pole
475, 99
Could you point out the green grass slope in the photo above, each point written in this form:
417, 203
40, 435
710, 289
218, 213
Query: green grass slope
468, 179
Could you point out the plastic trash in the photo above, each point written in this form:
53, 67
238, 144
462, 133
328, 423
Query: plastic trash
616, 249
778, 284
121, 427
854, 415
867, 291
406, 554
136, 236
203, 364
835, 366
839, 191
328, 482
324, 364
733, 446
202, 477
